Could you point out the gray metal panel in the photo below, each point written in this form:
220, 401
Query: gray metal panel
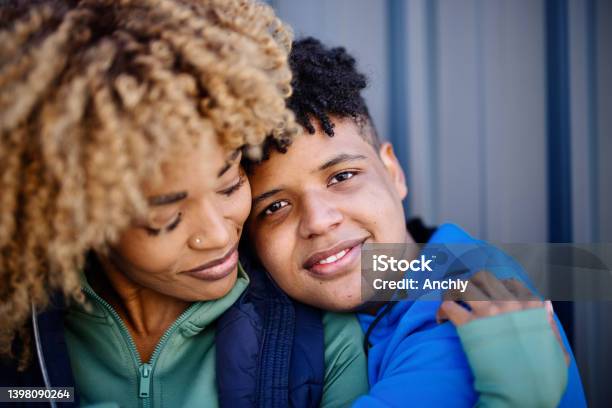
459, 157
421, 172
482, 162
514, 120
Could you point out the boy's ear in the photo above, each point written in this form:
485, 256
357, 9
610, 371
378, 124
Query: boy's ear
387, 156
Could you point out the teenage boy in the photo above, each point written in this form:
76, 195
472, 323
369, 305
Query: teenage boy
318, 202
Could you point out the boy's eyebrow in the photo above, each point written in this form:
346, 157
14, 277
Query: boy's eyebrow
167, 198
342, 157
228, 163
265, 195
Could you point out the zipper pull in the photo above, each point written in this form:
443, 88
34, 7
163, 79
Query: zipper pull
145, 380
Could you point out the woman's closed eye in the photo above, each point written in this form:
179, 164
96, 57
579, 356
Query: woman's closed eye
234, 187
171, 226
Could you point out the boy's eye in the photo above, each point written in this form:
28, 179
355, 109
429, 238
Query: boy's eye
168, 228
274, 207
342, 176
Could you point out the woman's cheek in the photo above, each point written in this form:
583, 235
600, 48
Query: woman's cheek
150, 254
156, 259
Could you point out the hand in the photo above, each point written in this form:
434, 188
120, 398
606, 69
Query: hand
494, 297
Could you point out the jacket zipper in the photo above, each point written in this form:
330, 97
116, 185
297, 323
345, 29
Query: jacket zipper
144, 384
145, 370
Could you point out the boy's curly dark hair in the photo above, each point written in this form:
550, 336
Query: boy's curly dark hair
326, 83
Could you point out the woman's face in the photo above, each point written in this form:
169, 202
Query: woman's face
186, 246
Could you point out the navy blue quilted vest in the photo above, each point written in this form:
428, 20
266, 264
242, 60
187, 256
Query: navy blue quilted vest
269, 349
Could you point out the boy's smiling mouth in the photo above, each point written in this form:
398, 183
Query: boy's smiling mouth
331, 262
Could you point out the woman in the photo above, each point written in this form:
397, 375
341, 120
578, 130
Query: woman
122, 127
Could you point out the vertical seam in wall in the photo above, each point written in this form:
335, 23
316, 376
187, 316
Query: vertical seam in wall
559, 137
397, 84
558, 123
431, 47
482, 113
593, 117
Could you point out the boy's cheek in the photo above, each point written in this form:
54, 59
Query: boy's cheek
276, 256
269, 250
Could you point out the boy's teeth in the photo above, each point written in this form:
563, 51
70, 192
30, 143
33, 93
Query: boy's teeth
333, 258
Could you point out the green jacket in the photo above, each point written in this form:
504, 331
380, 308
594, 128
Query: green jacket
181, 371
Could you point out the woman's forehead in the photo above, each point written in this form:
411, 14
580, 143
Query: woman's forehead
199, 167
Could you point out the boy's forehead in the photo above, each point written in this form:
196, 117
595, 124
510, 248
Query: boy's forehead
310, 150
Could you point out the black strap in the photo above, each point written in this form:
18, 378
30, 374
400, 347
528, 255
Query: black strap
386, 308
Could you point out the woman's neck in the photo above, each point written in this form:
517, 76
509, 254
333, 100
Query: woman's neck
146, 313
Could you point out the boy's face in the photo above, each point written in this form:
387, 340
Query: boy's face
315, 206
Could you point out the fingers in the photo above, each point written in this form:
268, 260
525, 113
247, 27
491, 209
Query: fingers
473, 296
521, 291
489, 296
482, 295
492, 286
457, 314
486, 295
524, 297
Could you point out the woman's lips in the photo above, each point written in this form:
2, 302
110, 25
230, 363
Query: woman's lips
338, 262
218, 269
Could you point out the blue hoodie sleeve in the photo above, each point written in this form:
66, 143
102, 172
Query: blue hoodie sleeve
452, 234
419, 363
415, 361
514, 356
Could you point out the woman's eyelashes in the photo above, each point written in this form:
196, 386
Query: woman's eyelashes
176, 221
235, 187
168, 228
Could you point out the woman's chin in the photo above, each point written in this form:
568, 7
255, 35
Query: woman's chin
211, 290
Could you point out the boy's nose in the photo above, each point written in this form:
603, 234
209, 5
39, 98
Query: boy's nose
318, 217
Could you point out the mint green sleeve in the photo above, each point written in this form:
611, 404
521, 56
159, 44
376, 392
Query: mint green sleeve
345, 361
516, 360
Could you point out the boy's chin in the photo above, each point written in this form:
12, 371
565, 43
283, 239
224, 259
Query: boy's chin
342, 305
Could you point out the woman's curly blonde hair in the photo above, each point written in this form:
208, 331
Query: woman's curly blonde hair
93, 95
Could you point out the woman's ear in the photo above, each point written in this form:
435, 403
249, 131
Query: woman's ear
387, 156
